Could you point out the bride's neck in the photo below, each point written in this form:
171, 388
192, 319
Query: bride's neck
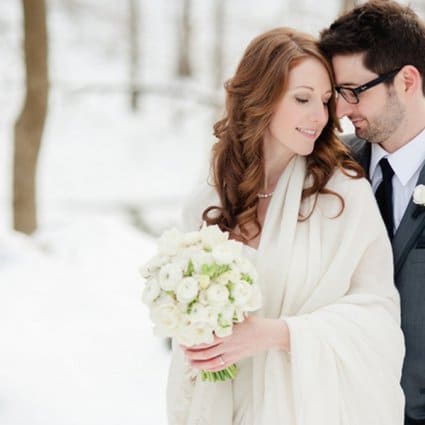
276, 158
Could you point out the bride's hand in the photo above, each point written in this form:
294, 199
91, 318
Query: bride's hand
249, 337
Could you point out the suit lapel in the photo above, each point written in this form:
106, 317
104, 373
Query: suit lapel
411, 226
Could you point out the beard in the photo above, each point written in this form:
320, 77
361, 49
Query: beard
379, 129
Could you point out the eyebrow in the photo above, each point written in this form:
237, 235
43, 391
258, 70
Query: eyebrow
312, 89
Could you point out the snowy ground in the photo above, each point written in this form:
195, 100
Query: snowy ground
77, 346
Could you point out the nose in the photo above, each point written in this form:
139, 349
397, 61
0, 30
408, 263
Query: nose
343, 108
320, 114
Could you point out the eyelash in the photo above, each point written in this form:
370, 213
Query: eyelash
306, 100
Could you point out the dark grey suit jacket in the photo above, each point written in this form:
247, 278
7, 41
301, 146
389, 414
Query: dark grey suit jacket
409, 273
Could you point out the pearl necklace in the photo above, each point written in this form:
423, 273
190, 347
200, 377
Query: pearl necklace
264, 195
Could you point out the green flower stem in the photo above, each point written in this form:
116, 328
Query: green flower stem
222, 375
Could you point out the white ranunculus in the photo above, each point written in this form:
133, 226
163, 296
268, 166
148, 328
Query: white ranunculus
232, 276
191, 238
254, 303
202, 313
204, 281
238, 315
200, 258
224, 331
151, 291
170, 242
217, 294
195, 334
187, 290
241, 292
153, 265
166, 316
226, 253
203, 333
169, 276
419, 195
212, 236
246, 267
203, 298
226, 315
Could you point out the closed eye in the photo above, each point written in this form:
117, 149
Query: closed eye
300, 100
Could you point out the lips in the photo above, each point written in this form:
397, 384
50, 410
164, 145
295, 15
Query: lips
308, 132
356, 121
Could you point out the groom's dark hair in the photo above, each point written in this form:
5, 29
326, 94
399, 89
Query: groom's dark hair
390, 36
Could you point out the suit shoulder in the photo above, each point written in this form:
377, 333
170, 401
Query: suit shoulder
355, 144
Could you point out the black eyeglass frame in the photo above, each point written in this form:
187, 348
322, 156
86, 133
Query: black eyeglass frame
366, 86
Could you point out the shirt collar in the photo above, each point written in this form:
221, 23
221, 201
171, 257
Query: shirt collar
404, 161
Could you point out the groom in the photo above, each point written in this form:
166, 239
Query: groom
378, 54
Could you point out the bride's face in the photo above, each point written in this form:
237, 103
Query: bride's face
302, 112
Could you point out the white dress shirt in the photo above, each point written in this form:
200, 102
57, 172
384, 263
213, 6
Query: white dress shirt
407, 163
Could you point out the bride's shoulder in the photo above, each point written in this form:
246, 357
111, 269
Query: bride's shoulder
345, 183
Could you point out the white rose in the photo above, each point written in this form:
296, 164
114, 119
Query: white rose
212, 236
169, 276
170, 242
151, 291
166, 316
217, 294
241, 292
227, 252
419, 195
187, 290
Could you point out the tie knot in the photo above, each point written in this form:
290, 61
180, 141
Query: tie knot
387, 171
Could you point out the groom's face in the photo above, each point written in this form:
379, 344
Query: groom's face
379, 112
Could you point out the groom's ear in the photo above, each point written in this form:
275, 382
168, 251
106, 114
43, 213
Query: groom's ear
409, 80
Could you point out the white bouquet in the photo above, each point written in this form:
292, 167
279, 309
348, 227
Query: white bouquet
197, 286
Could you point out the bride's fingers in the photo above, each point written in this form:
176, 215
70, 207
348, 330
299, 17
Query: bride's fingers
204, 354
215, 364
215, 343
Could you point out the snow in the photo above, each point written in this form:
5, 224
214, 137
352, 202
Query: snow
76, 343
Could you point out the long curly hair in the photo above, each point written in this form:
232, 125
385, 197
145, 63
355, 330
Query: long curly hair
251, 95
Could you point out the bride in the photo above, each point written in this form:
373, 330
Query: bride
326, 347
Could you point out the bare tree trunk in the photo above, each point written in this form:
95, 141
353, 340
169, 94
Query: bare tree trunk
347, 5
184, 68
134, 53
30, 123
218, 56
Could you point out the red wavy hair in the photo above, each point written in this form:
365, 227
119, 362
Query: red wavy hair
251, 95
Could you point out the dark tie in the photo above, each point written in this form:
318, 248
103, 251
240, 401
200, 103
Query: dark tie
384, 196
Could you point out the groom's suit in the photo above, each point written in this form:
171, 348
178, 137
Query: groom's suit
409, 272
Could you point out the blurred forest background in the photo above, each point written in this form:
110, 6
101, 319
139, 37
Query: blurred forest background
105, 126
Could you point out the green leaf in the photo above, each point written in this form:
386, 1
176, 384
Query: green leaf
190, 269
247, 278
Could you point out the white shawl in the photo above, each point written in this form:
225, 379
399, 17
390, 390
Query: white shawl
331, 279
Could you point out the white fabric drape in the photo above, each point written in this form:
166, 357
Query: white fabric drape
331, 278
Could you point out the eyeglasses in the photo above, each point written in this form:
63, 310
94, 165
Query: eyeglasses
351, 95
